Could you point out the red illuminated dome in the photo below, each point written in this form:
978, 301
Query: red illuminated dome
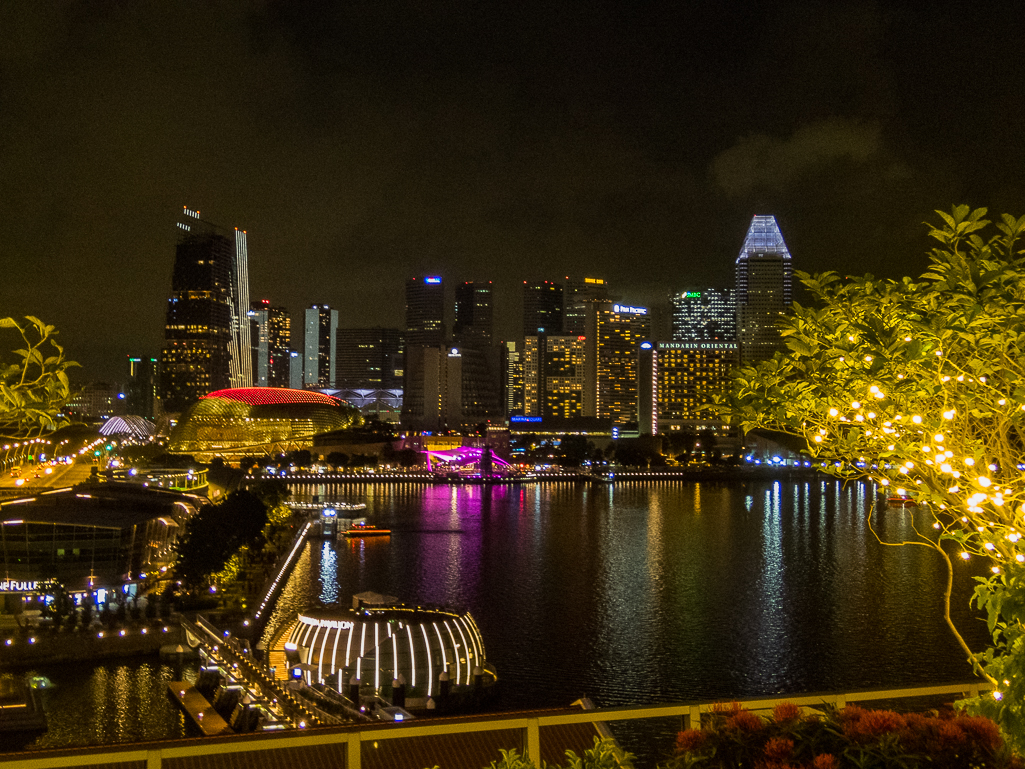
265, 396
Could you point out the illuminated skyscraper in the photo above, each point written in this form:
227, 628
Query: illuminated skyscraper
677, 379
206, 336
271, 343
708, 313
613, 336
542, 308
319, 346
764, 291
553, 376
580, 291
425, 311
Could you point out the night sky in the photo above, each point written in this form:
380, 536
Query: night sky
362, 143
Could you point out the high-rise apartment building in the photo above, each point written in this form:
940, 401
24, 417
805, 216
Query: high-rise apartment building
579, 292
764, 290
369, 359
474, 319
319, 346
542, 308
272, 341
704, 314
554, 375
142, 394
613, 336
206, 333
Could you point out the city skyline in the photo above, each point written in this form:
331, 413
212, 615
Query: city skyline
484, 143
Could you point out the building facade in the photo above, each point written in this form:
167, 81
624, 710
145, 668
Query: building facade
554, 375
272, 340
704, 314
579, 292
764, 290
474, 318
142, 396
319, 346
369, 358
207, 342
542, 308
613, 337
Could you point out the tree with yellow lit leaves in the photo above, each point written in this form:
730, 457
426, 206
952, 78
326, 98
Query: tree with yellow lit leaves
919, 385
33, 380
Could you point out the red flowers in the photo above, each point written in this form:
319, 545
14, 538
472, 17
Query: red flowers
852, 737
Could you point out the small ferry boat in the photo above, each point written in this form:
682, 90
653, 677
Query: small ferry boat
360, 528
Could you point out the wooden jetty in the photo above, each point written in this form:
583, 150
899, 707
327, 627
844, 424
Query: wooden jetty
199, 709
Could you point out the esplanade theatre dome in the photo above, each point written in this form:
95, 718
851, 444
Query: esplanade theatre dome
258, 420
377, 644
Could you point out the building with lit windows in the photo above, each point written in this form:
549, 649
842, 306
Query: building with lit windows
579, 292
554, 375
96, 400
676, 379
258, 420
542, 308
764, 290
142, 395
613, 336
97, 538
272, 339
425, 311
513, 367
369, 359
704, 314
474, 321
207, 342
319, 346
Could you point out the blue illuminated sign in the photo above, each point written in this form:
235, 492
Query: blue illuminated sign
432, 279
630, 310
524, 419
645, 345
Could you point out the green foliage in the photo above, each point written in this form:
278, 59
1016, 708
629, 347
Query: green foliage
33, 381
216, 533
919, 385
604, 755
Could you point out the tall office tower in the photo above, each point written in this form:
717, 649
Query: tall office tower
474, 313
141, 397
580, 291
542, 308
704, 314
369, 359
425, 311
613, 336
553, 376
677, 379
261, 345
764, 276
319, 346
206, 334
279, 344
296, 370
513, 377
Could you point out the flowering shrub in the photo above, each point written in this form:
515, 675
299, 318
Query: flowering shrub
841, 739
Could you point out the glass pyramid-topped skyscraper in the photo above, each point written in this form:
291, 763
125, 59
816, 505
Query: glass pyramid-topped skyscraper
764, 289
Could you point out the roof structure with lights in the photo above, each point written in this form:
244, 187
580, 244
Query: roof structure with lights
264, 396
